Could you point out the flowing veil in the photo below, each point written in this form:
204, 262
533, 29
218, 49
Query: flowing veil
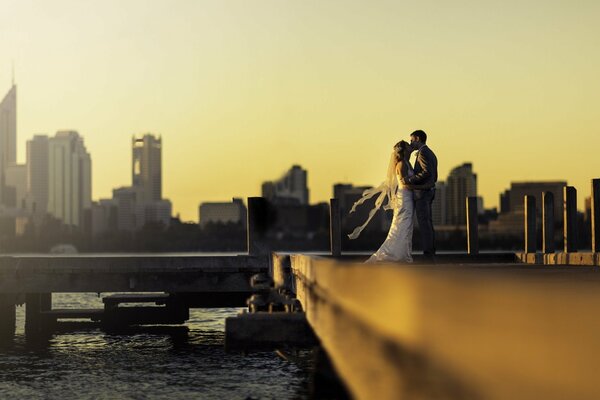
387, 189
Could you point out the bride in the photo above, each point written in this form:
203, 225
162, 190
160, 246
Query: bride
398, 244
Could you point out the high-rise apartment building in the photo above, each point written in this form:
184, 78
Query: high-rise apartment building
38, 173
69, 178
438, 208
146, 168
291, 188
461, 183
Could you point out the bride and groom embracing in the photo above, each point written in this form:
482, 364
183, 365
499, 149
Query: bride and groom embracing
407, 189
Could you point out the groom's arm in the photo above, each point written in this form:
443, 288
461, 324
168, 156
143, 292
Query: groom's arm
426, 162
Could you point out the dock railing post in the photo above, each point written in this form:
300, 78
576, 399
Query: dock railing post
257, 226
570, 219
548, 246
530, 224
335, 228
595, 206
472, 227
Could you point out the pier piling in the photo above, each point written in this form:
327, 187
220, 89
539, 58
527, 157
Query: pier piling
595, 206
7, 315
335, 228
36, 323
258, 210
530, 224
570, 219
548, 246
472, 228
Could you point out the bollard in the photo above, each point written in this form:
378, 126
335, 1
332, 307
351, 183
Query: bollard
472, 227
35, 322
548, 246
7, 315
570, 219
335, 228
595, 215
530, 224
257, 226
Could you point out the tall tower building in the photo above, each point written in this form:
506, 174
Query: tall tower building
38, 173
438, 208
147, 167
8, 139
291, 188
461, 182
69, 178
8, 128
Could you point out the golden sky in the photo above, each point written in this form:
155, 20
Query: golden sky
241, 90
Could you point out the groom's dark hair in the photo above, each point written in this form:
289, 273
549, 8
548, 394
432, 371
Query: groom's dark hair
421, 135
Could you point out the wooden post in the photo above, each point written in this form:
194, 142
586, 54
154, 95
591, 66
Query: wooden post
570, 219
258, 208
548, 246
530, 224
7, 315
35, 322
595, 215
335, 228
472, 227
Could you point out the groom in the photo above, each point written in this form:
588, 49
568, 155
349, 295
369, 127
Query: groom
425, 176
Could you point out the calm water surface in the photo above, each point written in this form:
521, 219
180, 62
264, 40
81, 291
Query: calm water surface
156, 363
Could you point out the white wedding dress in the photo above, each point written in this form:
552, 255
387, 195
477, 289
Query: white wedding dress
398, 244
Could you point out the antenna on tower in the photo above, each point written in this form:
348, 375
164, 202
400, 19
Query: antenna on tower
13, 72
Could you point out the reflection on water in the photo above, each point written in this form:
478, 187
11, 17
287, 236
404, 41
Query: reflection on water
154, 362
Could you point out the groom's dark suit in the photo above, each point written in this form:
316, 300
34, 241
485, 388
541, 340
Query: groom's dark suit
425, 174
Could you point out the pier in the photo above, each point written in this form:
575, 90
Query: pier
472, 325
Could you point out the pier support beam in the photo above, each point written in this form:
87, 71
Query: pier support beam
258, 219
335, 228
7, 315
595, 215
548, 246
570, 219
472, 228
530, 224
37, 323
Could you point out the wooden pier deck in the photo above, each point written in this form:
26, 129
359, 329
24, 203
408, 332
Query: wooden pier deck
493, 331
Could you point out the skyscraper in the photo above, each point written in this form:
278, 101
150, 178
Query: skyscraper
8, 128
69, 178
146, 167
438, 208
37, 173
291, 188
8, 138
461, 183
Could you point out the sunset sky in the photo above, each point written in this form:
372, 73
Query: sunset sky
242, 90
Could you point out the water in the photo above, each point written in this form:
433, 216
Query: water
156, 363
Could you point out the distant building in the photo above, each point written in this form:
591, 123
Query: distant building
234, 212
8, 138
461, 183
16, 177
70, 178
438, 208
146, 167
291, 188
104, 216
38, 173
158, 212
128, 213
511, 219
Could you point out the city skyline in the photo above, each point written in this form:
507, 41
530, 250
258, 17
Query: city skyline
240, 92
